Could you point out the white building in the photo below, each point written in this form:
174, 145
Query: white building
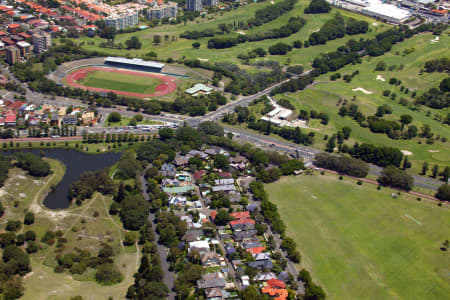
123, 20
375, 8
166, 10
42, 41
194, 5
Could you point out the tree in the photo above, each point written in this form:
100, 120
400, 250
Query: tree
156, 39
445, 85
221, 162
393, 177
18, 257
250, 293
445, 174
133, 43
381, 66
130, 238
114, 117
443, 192
108, 274
405, 120
435, 171
331, 144
318, 7
210, 128
406, 163
314, 292
29, 218
165, 133
425, 168
196, 45
222, 217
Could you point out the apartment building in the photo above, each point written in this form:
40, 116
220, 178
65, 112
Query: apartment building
24, 49
122, 20
194, 5
42, 41
210, 2
166, 10
12, 55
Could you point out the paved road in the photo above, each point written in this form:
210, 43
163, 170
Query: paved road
162, 250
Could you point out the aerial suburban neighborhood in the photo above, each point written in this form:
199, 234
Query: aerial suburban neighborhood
208, 150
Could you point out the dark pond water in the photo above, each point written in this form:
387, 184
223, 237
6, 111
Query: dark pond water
76, 163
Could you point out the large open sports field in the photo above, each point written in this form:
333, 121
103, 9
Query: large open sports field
122, 82
360, 243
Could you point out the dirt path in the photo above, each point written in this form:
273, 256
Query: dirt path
115, 224
86, 207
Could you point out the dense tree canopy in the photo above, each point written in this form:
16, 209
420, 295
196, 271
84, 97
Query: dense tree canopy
317, 7
33, 164
393, 177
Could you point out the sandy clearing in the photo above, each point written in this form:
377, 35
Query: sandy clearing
406, 152
360, 89
374, 24
381, 78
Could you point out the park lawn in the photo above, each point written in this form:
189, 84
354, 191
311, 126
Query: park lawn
360, 243
121, 82
81, 229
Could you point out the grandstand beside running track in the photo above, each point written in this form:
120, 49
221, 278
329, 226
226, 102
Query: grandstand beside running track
134, 64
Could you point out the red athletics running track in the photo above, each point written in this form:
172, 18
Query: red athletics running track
165, 88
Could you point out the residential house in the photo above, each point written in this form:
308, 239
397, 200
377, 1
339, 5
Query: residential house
88, 118
168, 170
10, 120
199, 174
200, 246
177, 201
212, 259
192, 235
261, 264
242, 236
181, 161
245, 281
261, 256
212, 280
224, 181
201, 154
214, 294
223, 188
264, 276
214, 150
69, 120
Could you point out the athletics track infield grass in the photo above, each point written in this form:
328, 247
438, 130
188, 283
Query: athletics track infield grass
121, 82
360, 243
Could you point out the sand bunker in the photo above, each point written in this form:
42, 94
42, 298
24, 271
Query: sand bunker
241, 32
406, 152
202, 59
433, 151
374, 24
359, 89
381, 78
435, 40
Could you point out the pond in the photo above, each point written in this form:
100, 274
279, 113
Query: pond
76, 163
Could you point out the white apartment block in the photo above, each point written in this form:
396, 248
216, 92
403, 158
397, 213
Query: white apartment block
166, 10
122, 20
194, 5
42, 41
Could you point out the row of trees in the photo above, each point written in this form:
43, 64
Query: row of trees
5, 164
342, 164
337, 28
436, 97
437, 65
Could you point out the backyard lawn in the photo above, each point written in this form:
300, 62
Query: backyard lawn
360, 243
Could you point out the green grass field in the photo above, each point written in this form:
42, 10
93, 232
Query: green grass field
324, 97
360, 243
121, 82
182, 48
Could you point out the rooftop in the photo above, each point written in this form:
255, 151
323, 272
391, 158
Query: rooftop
135, 61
